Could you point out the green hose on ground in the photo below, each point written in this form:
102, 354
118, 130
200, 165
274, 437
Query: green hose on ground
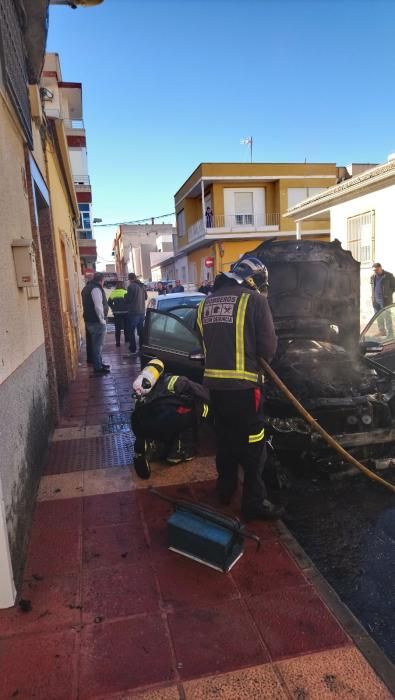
316, 426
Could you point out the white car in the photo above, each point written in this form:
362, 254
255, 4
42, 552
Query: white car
167, 302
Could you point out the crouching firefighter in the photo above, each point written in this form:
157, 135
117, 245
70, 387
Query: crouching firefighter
167, 413
237, 329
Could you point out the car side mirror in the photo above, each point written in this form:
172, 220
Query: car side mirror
197, 355
370, 346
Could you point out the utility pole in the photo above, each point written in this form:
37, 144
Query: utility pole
248, 141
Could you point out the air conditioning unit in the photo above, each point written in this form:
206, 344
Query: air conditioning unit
76, 3
35, 103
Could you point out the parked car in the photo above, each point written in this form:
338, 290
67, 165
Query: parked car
345, 381
167, 302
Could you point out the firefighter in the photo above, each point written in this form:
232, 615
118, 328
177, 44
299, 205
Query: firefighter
167, 412
237, 329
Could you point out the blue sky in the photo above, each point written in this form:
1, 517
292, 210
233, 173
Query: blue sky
168, 84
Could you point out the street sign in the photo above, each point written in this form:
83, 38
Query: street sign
209, 262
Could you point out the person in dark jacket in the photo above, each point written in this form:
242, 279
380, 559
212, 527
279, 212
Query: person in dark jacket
167, 415
117, 304
95, 312
136, 297
88, 340
383, 287
237, 329
179, 287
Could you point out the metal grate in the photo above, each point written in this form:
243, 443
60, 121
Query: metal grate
14, 66
114, 450
118, 423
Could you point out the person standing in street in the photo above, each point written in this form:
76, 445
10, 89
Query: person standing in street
117, 303
237, 329
383, 287
179, 287
95, 312
136, 297
88, 340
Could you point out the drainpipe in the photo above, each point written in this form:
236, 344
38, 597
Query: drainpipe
298, 230
203, 210
7, 586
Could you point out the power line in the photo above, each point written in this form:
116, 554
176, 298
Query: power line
136, 221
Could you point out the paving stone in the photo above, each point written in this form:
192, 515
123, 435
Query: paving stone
123, 655
340, 673
185, 583
108, 546
60, 486
266, 569
54, 552
295, 621
111, 509
214, 640
54, 606
257, 683
41, 667
119, 591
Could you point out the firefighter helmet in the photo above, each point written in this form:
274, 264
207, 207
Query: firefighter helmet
252, 272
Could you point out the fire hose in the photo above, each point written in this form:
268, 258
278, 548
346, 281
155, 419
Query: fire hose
317, 427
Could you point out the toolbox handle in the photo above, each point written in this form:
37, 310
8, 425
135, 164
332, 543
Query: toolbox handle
230, 523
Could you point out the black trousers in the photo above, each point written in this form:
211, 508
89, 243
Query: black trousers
163, 424
121, 324
238, 424
89, 355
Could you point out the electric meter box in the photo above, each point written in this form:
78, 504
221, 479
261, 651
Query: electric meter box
25, 262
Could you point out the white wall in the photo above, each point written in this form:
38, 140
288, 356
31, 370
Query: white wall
383, 204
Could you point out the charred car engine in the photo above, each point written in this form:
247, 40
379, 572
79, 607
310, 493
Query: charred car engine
314, 297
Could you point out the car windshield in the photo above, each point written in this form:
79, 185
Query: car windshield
169, 304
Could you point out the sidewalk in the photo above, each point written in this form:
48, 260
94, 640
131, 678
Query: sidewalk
116, 616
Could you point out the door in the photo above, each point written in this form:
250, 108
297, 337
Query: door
172, 339
378, 339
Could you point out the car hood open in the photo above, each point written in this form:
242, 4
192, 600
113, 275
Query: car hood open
313, 290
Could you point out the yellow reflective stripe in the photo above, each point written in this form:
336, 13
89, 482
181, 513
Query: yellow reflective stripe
205, 410
230, 374
171, 383
199, 317
240, 318
256, 438
200, 323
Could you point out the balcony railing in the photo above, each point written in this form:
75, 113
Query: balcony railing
232, 223
56, 113
74, 124
81, 180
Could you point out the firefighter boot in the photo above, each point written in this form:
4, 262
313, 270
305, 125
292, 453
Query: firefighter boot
141, 463
180, 451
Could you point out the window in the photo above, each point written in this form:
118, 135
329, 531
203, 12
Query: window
167, 332
181, 223
299, 194
244, 208
360, 237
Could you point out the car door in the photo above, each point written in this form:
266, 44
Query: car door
378, 339
173, 339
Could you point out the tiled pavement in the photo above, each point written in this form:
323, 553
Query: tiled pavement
116, 616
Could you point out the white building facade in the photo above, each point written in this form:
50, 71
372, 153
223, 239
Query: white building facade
362, 218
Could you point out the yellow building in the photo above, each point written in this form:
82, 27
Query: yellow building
65, 219
225, 209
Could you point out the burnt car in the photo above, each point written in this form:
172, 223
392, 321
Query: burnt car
345, 381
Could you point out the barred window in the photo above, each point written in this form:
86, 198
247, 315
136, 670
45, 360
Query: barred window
360, 237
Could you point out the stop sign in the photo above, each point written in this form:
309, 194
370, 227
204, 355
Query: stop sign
209, 262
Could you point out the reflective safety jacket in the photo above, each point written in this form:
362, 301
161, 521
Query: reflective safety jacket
179, 392
236, 326
117, 302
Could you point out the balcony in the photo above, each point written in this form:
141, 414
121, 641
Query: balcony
82, 180
233, 224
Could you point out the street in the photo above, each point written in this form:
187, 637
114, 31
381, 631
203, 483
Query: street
347, 528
